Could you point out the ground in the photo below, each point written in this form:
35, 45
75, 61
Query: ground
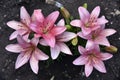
63, 69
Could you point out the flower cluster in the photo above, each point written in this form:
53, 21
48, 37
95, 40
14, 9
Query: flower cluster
46, 33
92, 29
40, 30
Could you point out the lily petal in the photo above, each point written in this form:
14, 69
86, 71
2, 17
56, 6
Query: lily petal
55, 51
88, 69
25, 17
106, 56
64, 48
40, 55
95, 12
17, 32
43, 42
84, 14
13, 35
50, 39
80, 60
101, 21
76, 23
80, 34
14, 48
61, 23
37, 35
100, 66
15, 25
22, 59
108, 32
66, 36
58, 30
35, 41
81, 49
89, 44
22, 42
26, 36
96, 27
102, 41
34, 64
86, 31
38, 16
34, 27
50, 20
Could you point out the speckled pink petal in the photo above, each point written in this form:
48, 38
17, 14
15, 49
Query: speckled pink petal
15, 25
25, 17
51, 18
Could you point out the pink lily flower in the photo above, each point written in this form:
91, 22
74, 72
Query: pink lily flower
92, 57
22, 28
98, 36
89, 22
28, 52
45, 27
60, 45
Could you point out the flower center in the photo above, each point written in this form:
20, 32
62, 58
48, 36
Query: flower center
46, 28
45, 31
94, 36
93, 58
91, 22
30, 48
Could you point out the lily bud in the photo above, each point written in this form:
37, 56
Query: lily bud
85, 5
50, 1
53, 2
74, 41
112, 49
68, 27
65, 13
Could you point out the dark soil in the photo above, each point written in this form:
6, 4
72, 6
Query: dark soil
63, 69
